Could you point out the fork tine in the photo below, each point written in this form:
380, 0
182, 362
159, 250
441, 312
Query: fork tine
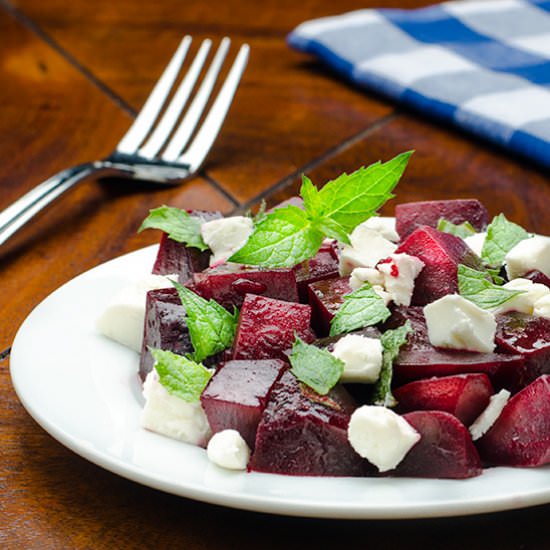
150, 110
201, 144
189, 122
170, 117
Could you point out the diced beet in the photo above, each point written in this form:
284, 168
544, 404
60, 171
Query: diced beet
441, 254
529, 336
521, 434
445, 449
417, 339
292, 201
323, 266
325, 298
228, 283
538, 277
237, 395
411, 215
174, 257
464, 396
504, 370
267, 327
165, 327
303, 433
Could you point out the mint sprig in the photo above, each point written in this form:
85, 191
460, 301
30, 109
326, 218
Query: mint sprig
502, 236
290, 235
361, 308
463, 230
315, 367
211, 327
474, 286
391, 340
179, 375
177, 223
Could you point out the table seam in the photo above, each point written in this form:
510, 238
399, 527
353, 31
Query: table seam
317, 161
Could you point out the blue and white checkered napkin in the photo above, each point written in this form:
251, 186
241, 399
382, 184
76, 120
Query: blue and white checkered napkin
482, 65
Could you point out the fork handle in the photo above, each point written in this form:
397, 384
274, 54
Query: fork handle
22, 210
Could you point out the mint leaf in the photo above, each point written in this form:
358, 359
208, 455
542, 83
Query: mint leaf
315, 367
260, 215
180, 376
474, 286
211, 327
502, 236
351, 199
283, 238
462, 230
391, 340
334, 230
177, 223
361, 308
310, 194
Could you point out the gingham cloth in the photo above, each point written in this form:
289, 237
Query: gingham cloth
482, 65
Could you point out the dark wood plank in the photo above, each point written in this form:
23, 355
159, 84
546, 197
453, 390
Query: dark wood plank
283, 116
445, 165
53, 118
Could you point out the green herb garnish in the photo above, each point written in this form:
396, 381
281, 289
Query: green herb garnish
361, 308
211, 327
177, 223
315, 367
290, 235
179, 375
474, 286
502, 236
462, 230
391, 340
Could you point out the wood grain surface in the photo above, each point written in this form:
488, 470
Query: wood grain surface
73, 76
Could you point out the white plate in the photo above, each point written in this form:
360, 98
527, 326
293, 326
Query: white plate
83, 389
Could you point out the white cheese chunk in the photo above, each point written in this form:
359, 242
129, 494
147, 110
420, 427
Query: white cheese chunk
488, 417
528, 255
476, 242
367, 248
399, 272
124, 317
228, 449
542, 307
383, 225
169, 415
524, 302
226, 235
361, 275
454, 322
381, 436
362, 357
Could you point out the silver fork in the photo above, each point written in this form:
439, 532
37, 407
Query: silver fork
166, 156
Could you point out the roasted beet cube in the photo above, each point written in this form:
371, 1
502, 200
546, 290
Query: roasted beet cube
325, 298
504, 370
417, 339
174, 257
165, 327
267, 327
303, 433
412, 215
464, 396
441, 254
228, 283
323, 266
445, 449
528, 336
521, 434
237, 395
538, 277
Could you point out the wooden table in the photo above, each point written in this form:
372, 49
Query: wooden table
73, 76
